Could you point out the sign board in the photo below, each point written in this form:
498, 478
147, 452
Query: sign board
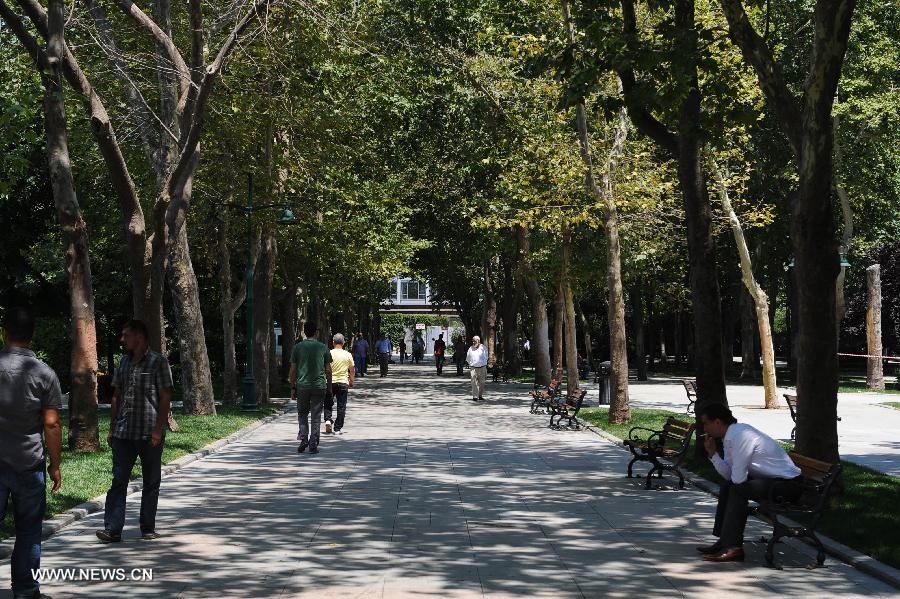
420, 326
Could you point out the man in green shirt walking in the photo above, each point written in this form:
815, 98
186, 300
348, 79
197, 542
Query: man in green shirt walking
310, 377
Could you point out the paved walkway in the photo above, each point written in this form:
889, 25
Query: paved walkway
430, 495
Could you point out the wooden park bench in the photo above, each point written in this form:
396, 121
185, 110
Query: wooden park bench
690, 387
817, 481
568, 409
791, 399
670, 444
541, 396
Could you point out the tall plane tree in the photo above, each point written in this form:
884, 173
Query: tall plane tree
806, 120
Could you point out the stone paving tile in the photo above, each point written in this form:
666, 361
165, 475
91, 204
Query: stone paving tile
426, 496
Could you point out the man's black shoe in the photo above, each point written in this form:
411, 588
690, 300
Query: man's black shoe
314, 449
108, 537
710, 549
150, 536
480, 399
34, 595
302, 447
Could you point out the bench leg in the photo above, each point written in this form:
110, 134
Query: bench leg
650, 474
778, 530
631, 464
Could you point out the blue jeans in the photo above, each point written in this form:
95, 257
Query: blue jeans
29, 495
125, 454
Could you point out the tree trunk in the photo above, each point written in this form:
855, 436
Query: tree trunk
227, 307
196, 378
83, 423
512, 300
618, 410
262, 315
489, 313
748, 338
637, 315
540, 333
559, 319
289, 328
874, 368
760, 299
571, 335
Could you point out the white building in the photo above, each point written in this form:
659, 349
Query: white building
411, 296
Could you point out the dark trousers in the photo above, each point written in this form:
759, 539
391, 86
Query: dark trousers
459, 367
732, 510
339, 395
125, 453
403, 356
439, 362
309, 414
383, 362
29, 499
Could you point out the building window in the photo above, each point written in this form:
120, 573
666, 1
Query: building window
412, 290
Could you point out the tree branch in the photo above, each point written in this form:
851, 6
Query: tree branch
150, 27
30, 44
756, 52
642, 118
832, 32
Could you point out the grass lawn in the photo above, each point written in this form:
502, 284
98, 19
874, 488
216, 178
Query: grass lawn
892, 404
859, 386
87, 475
864, 517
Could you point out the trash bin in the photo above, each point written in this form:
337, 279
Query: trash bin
604, 382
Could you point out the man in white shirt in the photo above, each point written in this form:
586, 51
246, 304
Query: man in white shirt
751, 464
477, 358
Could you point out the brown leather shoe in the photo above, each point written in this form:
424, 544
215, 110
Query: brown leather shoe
734, 554
711, 549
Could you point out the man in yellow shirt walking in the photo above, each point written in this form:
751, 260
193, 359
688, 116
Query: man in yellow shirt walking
342, 378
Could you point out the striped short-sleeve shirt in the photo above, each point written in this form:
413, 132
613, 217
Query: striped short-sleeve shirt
139, 383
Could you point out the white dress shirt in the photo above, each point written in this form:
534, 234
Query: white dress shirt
750, 453
477, 357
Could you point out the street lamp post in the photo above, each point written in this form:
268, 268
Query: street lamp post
249, 403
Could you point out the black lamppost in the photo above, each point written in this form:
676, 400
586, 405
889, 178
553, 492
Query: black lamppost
249, 403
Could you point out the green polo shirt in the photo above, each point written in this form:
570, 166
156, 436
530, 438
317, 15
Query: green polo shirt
311, 356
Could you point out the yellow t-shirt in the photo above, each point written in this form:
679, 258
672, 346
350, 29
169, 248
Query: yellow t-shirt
341, 363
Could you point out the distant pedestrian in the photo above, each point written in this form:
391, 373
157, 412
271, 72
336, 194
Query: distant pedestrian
459, 355
477, 357
342, 380
30, 401
360, 354
418, 348
310, 376
440, 346
402, 350
526, 349
383, 351
142, 397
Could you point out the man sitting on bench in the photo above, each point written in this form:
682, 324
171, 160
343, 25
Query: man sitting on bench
753, 462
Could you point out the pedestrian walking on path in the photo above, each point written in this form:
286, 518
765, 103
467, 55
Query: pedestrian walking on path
459, 355
440, 346
341, 381
752, 464
360, 354
30, 401
477, 358
383, 350
310, 378
402, 350
142, 396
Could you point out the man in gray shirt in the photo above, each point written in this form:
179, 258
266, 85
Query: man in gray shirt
29, 404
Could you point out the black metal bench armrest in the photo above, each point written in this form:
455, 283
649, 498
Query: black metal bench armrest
652, 432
